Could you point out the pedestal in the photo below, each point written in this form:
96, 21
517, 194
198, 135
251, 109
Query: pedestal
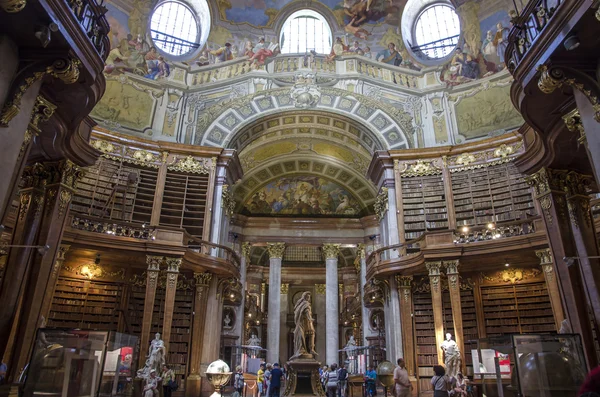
304, 378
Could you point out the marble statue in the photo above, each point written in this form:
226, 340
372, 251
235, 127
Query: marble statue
227, 320
156, 358
350, 354
351, 345
304, 332
451, 356
254, 340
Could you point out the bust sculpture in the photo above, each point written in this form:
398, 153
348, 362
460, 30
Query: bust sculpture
304, 332
156, 358
451, 356
227, 320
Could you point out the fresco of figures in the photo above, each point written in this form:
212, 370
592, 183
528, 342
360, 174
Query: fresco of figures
302, 195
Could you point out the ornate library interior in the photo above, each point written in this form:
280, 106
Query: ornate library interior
291, 197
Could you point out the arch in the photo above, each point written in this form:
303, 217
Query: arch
221, 124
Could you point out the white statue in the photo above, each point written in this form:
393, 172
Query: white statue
350, 354
351, 345
304, 332
254, 340
451, 356
227, 320
156, 358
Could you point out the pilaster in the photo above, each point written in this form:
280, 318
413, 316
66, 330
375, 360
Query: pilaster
159, 193
211, 335
361, 256
405, 296
332, 312
192, 382
173, 265
276, 252
152, 272
454, 288
58, 263
547, 264
436, 298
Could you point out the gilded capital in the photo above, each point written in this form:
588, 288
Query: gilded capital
35, 176
381, 203
320, 289
433, 268
403, 281
227, 201
331, 251
246, 248
573, 122
202, 279
173, 264
361, 251
285, 289
62, 251
276, 250
578, 184
154, 262
451, 266
545, 256
546, 180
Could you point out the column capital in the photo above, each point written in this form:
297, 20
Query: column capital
403, 281
381, 203
451, 266
433, 268
246, 248
62, 251
361, 251
545, 256
34, 176
64, 172
154, 262
276, 250
546, 180
173, 264
331, 251
573, 122
285, 288
320, 289
202, 279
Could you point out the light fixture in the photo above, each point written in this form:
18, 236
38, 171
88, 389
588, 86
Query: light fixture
507, 264
250, 315
490, 225
571, 42
465, 229
232, 296
257, 322
86, 271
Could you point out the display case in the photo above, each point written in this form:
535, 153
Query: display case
529, 365
81, 363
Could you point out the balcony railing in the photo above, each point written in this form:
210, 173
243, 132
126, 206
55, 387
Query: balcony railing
527, 27
90, 16
120, 229
212, 249
473, 234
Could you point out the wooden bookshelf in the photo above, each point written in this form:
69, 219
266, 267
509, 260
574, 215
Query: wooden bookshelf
470, 330
85, 304
112, 189
184, 201
135, 309
427, 349
424, 203
491, 194
181, 330
516, 309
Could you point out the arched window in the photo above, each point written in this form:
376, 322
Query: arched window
436, 32
303, 31
175, 29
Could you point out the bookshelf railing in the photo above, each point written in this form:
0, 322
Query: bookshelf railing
495, 231
213, 249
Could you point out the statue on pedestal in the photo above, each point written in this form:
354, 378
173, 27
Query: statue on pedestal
156, 358
304, 332
451, 356
254, 340
351, 353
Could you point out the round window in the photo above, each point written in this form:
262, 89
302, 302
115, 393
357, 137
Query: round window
174, 29
436, 32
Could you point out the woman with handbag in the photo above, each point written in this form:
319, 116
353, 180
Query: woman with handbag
168, 381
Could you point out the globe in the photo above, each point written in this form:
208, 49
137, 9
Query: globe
385, 373
218, 374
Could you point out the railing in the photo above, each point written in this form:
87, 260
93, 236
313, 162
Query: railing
397, 250
212, 249
491, 231
120, 229
527, 27
90, 16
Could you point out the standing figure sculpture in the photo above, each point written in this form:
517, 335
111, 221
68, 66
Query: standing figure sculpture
451, 356
304, 333
156, 357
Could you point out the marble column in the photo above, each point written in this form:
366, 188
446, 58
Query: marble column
547, 264
454, 289
192, 382
154, 263
211, 335
173, 265
332, 311
404, 286
436, 299
276, 251
393, 336
362, 280
245, 260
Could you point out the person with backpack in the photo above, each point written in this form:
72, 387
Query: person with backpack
332, 381
238, 381
275, 386
342, 381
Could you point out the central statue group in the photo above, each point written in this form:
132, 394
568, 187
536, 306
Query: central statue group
304, 332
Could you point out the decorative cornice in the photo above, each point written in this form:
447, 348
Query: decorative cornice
420, 168
331, 251
381, 203
191, 165
103, 146
227, 201
545, 256
173, 264
154, 262
511, 275
246, 249
276, 250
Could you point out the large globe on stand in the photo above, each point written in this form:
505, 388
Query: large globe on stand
385, 373
218, 374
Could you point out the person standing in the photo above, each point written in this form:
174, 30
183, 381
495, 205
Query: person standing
238, 381
342, 380
332, 381
276, 375
260, 379
168, 380
440, 382
268, 379
371, 381
402, 384
3, 369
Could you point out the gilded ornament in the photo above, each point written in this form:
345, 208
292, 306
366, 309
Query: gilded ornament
189, 164
246, 249
573, 122
154, 262
276, 250
202, 278
381, 203
433, 268
451, 266
465, 159
403, 281
453, 280
172, 280
331, 251
13, 6
93, 270
66, 70
512, 275
173, 264
64, 199
227, 201
545, 256
406, 295
24, 206
546, 204
435, 283
103, 146
285, 289
548, 271
142, 156
320, 289
504, 151
420, 168
38, 200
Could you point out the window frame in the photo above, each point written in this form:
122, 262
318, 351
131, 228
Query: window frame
424, 56
299, 14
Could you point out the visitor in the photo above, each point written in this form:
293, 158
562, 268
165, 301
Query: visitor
3, 369
238, 381
268, 378
591, 385
371, 381
342, 380
151, 387
440, 382
324, 371
401, 382
462, 384
260, 379
275, 385
332, 381
168, 380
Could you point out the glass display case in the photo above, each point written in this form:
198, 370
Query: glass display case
81, 363
529, 365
